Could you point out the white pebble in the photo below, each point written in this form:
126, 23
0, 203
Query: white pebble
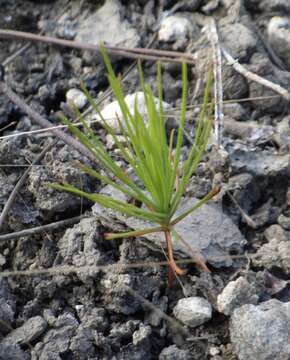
193, 311
76, 98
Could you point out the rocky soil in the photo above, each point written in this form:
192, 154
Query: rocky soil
240, 310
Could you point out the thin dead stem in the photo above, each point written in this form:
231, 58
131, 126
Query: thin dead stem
218, 84
133, 53
254, 77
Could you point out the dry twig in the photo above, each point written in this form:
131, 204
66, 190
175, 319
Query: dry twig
133, 53
40, 120
254, 77
39, 229
218, 84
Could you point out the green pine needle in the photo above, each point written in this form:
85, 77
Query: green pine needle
148, 152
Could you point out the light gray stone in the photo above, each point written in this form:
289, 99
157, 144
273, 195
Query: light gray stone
193, 311
29, 331
275, 254
261, 332
236, 294
174, 28
76, 98
279, 37
284, 221
247, 40
207, 230
112, 112
108, 25
172, 352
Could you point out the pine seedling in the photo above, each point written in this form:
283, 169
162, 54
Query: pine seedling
156, 163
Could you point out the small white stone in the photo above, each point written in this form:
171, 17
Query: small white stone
236, 294
112, 112
279, 37
76, 98
193, 311
174, 28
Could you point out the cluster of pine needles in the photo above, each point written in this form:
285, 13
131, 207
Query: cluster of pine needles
154, 157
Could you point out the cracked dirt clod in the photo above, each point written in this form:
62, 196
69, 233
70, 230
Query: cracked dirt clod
29, 331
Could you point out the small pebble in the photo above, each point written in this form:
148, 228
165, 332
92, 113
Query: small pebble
76, 98
193, 311
236, 294
174, 28
284, 221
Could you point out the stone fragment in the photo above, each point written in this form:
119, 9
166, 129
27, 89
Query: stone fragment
246, 45
172, 352
175, 28
279, 37
236, 294
108, 25
261, 332
275, 232
259, 163
76, 98
26, 333
78, 247
275, 254
284, 221
113, 114
193, 311
207, 230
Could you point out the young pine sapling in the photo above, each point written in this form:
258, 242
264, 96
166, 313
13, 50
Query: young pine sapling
155, 161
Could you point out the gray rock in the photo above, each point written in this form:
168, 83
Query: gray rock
261, 332
279, 37
207, 230
193, 311
51, 200
262, 66
112, 111
29, 331
108, 25
114, 289
175, 28
246, 45
57, 340
259, 163
275, 254
93, 317
142, 335
235, 86
76, 98
236, 111
6, 314
78, 247
12, 352
266, 214
282, 134
174, 353
275, 232
82, 345
268, 6
284, 221
7, 306
236, 294
244, 189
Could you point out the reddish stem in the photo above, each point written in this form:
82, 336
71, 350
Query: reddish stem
173, 268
